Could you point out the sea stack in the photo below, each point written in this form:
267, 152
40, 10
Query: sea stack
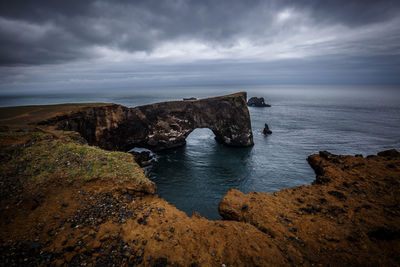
257, 102
266, 129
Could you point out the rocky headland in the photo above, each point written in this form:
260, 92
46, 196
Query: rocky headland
64, 201
161, 125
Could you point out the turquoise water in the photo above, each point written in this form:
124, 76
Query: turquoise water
304, 120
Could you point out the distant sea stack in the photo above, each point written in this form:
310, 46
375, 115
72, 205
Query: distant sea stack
162, 125
266, 130
257, 102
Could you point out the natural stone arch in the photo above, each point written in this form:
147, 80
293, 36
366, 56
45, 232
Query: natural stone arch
162, 125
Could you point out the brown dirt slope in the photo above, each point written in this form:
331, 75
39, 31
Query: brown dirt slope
349, 216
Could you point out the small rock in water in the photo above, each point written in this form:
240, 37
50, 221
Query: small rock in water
266, 130
143, 156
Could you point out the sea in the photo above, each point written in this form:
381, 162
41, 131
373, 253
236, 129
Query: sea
303, 119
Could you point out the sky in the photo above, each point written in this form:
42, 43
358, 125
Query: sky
58, 45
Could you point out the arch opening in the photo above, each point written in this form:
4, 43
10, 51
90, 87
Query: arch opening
200, 136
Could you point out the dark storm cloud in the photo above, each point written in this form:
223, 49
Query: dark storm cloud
39, 32
350, 12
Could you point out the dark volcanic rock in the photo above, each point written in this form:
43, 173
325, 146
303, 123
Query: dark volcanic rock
143, 157
266, 130
162, 125
257, 102
392, 153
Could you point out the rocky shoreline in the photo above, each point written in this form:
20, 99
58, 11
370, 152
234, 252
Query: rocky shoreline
64, 202
349, 216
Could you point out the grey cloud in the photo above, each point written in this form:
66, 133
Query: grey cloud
380, 70
68, 30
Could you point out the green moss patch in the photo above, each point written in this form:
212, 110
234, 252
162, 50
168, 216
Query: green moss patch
40, 158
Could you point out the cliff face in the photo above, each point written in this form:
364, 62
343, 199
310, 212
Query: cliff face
349, 216
162, 125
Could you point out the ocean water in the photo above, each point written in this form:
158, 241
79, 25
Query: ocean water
304, 120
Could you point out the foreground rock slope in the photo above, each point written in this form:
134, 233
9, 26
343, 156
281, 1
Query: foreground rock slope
65, 203
161, 125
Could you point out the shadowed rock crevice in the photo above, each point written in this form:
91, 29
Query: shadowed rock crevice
162, 125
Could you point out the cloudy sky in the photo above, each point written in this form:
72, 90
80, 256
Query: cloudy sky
59, 45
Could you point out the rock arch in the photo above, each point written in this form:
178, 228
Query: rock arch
162, 125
